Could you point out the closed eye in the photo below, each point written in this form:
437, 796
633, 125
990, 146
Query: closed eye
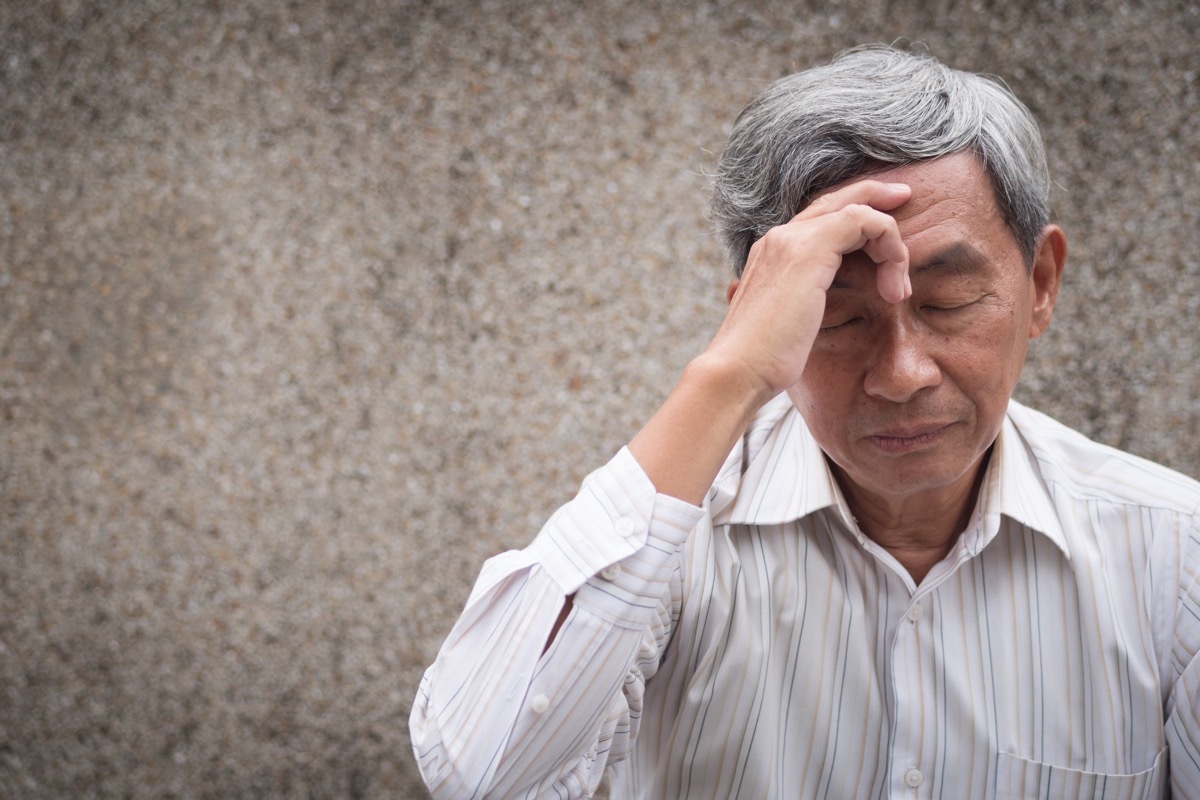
826, 328
947, 307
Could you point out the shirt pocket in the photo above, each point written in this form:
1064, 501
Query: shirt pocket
1029, 780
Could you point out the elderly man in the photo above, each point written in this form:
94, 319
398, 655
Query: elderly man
839, 561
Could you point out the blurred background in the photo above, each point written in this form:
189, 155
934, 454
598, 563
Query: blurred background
307, 308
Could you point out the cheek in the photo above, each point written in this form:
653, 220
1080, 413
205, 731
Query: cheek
1002, 331
831, 372
826, 391
835, 360
987, 361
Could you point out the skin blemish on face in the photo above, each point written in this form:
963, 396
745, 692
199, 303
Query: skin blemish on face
908, 404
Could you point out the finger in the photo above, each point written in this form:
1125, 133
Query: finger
890, 255
893, 282
879, 238
876, 194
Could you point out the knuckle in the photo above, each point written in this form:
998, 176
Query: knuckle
785, 240
857, 211
777, 236
821, 201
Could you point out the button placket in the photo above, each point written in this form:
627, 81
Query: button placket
907, 648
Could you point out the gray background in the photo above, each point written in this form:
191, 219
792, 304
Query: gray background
308, 308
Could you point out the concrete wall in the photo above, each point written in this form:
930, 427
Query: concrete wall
308, 308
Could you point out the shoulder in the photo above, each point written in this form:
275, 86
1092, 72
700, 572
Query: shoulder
1130, 523
1084, 469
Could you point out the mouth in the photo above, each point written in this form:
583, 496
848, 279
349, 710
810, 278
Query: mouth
907, 440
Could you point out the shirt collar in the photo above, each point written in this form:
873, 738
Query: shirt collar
778, 474
1013, 488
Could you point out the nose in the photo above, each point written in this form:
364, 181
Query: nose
900, 364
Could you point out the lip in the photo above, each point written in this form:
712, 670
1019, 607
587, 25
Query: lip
907, 440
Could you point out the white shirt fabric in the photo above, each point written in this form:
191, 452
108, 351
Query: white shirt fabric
762, 646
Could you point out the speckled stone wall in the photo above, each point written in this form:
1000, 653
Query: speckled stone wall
308, 308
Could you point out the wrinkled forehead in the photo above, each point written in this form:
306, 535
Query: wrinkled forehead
957, 180
952, 210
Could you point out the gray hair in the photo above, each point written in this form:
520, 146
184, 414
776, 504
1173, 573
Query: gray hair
871, 108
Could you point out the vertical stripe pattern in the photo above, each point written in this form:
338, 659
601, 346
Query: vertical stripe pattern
763, 647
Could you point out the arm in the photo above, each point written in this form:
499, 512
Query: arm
494, 717
775, 311
517, 706
1183, 703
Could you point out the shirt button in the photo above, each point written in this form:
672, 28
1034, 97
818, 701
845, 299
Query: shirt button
913, 778
540, 703
915, 613
626, 527
610, 572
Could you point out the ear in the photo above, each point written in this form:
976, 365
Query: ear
1045, 276
731, 289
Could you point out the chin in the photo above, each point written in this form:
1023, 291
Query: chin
914, 473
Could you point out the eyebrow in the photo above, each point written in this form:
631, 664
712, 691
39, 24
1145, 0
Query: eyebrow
959, 258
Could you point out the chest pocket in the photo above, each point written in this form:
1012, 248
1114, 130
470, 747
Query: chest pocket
1018, 779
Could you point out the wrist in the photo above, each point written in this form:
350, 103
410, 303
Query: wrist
683, 445
729, 380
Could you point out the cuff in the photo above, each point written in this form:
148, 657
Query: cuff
616, 514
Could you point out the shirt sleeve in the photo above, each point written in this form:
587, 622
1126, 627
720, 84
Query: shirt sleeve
1183, 705
494, 717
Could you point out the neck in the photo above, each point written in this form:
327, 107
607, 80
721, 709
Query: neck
919, 529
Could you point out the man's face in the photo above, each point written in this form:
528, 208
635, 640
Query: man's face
907, 398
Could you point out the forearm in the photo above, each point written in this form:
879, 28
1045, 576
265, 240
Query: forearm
776, 308
684, 444
492, 713
469, 699
492, 719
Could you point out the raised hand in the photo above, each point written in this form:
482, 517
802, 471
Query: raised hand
776, 306
775, 311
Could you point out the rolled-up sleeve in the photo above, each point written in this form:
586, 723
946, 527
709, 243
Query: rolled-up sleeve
494, 717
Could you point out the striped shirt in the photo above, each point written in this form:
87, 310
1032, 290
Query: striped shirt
762, 646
